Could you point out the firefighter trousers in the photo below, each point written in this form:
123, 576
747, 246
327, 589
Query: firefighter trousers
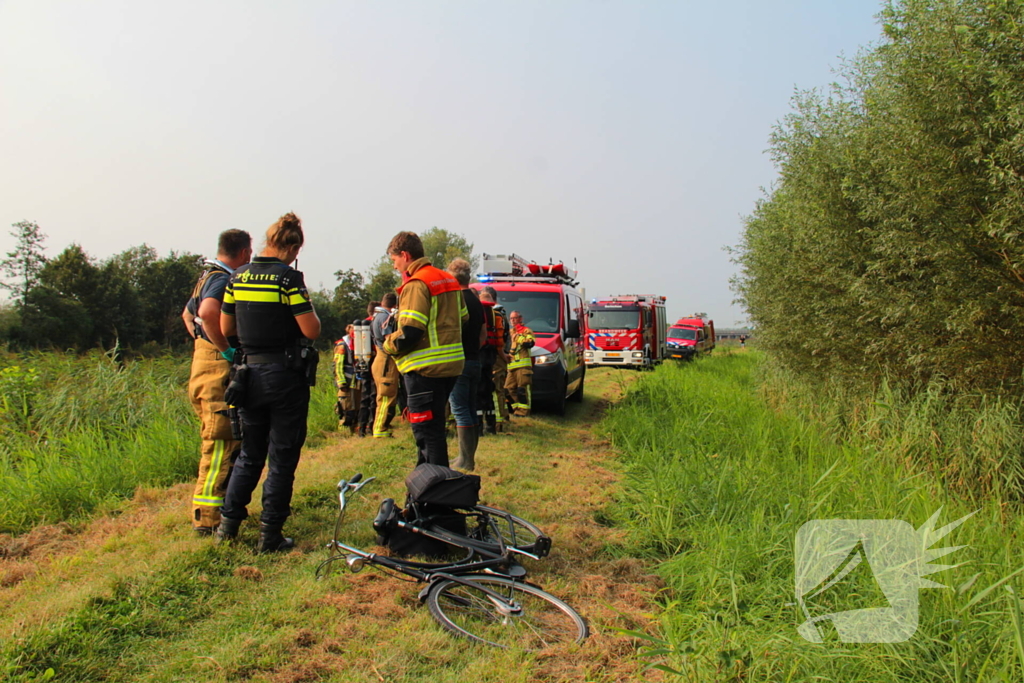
500, 375
206, 384
387, 379
427, 399
517, 388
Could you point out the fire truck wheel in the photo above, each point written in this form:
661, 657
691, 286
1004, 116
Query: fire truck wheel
577, 396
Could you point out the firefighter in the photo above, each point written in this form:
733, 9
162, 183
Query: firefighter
385, 372
211, 365
267, 305
499, 340
520, 368
338, 371
351, 391
464, 395
427, 344
364, 375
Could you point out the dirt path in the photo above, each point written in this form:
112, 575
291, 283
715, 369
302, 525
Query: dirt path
269, 620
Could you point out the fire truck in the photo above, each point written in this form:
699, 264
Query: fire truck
689, 337
552, 307
626, 330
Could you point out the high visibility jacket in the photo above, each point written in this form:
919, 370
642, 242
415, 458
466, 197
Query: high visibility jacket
431, 300
338, 365
522, 342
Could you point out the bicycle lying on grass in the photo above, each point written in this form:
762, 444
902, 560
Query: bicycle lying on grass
480, 594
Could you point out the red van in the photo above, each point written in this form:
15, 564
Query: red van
552, 307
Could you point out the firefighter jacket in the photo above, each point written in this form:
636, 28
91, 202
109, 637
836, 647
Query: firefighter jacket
339, 365
522, 342
431, 301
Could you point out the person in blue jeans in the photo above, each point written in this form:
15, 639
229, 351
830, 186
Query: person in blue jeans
463, 399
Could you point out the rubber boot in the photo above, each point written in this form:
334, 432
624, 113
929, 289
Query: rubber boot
227, 530
492, 424
468, 439
272, 540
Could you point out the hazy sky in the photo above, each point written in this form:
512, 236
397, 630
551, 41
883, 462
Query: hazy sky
627, 135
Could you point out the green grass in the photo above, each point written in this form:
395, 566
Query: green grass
78, 433
720, 476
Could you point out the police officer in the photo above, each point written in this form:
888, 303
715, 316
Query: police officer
427, 346
211, 365
267, 306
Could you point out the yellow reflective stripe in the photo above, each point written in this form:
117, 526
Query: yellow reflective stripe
432, 327
415, 315
383, 403
259, 297
202, 500
294, 299
215, 464
431, 356
229, 298
522, 363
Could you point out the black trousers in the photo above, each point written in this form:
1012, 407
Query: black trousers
274, 429
427, 398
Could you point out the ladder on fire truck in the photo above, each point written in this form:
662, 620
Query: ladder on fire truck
515, 268
635, 299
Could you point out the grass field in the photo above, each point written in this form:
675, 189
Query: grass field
81, 433
134, 596
720, 475
674, 498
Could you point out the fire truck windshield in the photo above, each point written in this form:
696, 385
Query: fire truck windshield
682, 333
539, 309
614, 318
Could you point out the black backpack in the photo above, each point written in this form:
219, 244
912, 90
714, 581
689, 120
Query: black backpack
434, 494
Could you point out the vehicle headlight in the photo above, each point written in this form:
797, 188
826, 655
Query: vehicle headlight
638, 354
546, 359
588, 354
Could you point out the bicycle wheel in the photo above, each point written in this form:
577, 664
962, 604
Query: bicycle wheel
515, 531
539, 620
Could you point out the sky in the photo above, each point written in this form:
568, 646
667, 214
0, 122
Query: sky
626, 136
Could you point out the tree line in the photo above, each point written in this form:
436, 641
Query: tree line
892, 244
133, 300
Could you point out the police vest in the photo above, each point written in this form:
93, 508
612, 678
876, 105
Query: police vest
262, 293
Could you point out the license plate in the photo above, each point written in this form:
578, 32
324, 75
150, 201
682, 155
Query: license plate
613, 355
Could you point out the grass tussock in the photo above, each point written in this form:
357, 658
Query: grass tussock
724, 467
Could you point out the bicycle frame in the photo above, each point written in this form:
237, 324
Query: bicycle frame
357, 558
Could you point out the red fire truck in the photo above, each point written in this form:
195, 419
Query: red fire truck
689, 337
552, 307
626, 330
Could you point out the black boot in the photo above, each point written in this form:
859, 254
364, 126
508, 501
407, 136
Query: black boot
227, 530
492, 426
272, 540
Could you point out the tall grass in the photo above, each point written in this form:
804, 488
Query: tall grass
81, 432
724, 467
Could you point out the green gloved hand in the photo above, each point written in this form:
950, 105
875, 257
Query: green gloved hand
229, 355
